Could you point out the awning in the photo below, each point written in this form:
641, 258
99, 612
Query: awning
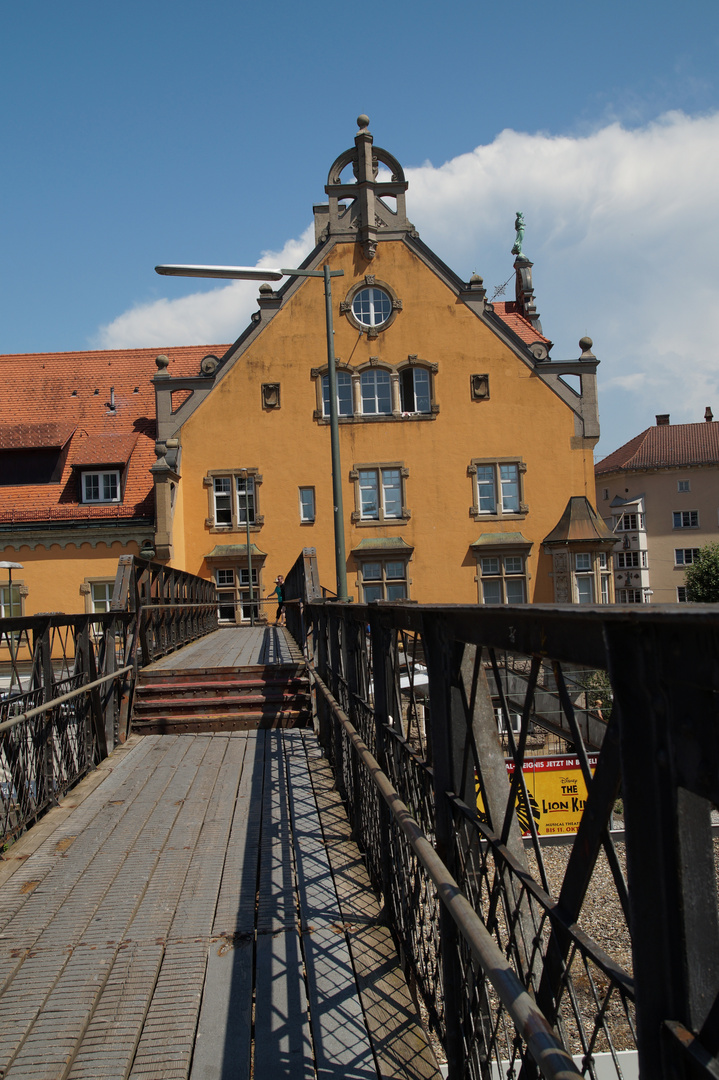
238, 552
382, 545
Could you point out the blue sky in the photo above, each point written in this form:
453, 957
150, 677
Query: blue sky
169, 132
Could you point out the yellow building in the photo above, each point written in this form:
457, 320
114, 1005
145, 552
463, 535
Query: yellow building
460, 443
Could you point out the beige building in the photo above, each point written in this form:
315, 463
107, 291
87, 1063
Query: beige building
659, 494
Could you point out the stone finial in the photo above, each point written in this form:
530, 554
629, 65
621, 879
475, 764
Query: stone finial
265, 287
363, 122
162, 362
476, 280
585, 344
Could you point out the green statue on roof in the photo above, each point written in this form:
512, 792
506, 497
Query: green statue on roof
519, 228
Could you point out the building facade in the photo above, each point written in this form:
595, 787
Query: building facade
460, 442
659, 494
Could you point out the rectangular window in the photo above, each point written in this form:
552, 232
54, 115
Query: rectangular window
502, 579
685, 556
10, 601
630, 596
683, 485
585, 588
383, 579
686, 519
379, 493
629, 559
307, 504
101, 593
583, 561
234, 497
233, 593
682, 594
629, 523
245, 499
223, 508
101, 486
376, 392
497, 488
344, 394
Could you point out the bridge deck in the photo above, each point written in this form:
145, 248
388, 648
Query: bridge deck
233, 647
194, 909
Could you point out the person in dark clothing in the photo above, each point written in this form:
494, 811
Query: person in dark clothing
279, 592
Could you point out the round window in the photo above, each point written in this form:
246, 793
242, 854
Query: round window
372, 307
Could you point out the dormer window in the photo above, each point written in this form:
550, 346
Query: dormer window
101, 487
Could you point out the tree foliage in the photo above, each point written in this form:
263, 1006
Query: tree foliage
702, 577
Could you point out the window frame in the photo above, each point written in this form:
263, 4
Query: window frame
87, 474
683, 486
692, 515
306, 519
496, 464
624, 526
631, 559
621, 599
239, 590
382, 519
374, 370
237, 522
502, 574
681, 563
382, 582
369, 281
12, 596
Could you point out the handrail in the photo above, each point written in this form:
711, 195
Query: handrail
552, 1059
62, 699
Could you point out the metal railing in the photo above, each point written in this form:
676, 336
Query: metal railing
69, 682
533, 960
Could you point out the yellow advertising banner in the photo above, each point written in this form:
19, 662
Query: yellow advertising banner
557, 793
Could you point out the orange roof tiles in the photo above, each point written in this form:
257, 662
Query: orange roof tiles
665, 446
510, 314
72, 392
34, 436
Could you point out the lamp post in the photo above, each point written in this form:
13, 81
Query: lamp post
254, 273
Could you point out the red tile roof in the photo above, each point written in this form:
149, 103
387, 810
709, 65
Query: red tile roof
509, 314
665, 446
71, 392
35, 436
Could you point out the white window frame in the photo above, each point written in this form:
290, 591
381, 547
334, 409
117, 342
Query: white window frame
12, 603
102, 476
307, 504
374, 304
415, 374
682, 594
631, 560
637, 596
630, 521
685, 519
227, 485
382, 478
491, 487
685, 556
344, 394
234, 591
387, 582
369, 395
497, 569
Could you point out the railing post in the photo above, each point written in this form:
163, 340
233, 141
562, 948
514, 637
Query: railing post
383, 677
670, 770
448, 733
110, 695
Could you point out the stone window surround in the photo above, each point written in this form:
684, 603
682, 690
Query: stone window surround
240, 592
22, 592
394, 370
381, 521
474, 511
86, 590
236, 526
369, 281
383, 557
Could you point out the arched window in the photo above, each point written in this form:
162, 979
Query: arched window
344, 394
415, 390
376, 392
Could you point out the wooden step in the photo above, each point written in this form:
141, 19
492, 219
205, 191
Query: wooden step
249, 721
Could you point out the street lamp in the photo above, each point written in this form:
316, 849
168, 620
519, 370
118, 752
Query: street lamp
255, 273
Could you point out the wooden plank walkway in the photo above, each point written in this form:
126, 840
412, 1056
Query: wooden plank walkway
200, 914
233, 647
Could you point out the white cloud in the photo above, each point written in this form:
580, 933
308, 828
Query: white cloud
621, 226
213, 317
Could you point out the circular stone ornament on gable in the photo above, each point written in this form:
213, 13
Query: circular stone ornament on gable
371, 306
